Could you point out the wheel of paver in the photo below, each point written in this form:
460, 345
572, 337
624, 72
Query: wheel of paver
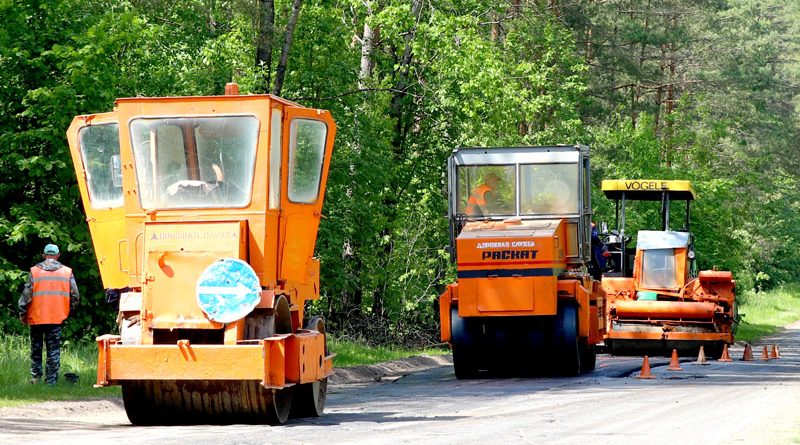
567, 342
588, 357
278, 411
281, 405
713, 350
309, 398
609, 347
464, 347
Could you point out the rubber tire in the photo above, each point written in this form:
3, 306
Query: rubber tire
567, 343
713, 350
588, 357
464, 347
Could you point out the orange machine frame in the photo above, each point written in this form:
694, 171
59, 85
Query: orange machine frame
517, 273
705, 300
277, 242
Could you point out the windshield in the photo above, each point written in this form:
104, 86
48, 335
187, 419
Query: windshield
194, 162
544, 189
547, 189
658, 269
487, 190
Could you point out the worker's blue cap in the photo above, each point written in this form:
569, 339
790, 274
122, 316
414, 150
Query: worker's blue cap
51, 249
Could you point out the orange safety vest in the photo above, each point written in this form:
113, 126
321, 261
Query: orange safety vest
477, 200
50, 303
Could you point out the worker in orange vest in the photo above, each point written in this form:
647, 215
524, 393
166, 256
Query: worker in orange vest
47, 298
481, 200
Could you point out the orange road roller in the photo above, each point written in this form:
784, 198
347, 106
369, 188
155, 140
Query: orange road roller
203, 213
524, 301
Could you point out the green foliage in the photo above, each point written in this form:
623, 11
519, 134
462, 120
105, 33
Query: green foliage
354, 353
764, 313
677, 89
77, 358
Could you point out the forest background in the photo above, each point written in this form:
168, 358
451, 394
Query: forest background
704, 90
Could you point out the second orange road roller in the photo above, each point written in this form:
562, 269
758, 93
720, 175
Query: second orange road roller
203, 213
657, 301
524, 302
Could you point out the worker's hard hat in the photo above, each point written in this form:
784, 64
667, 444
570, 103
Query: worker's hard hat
51, 249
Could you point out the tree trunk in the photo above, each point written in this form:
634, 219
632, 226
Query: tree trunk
280, 73
554, 8
401, 126
266, 36
642, 57
660, 91
367, 45
495, 33
401, 83
670, 105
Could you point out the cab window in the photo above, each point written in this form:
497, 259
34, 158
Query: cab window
100, 155
549, 189
485, 191
306, 149
658, 269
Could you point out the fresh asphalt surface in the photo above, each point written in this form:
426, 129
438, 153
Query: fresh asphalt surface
720, 403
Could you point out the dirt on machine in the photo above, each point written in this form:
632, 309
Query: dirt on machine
657, 300
524, 302
203, 213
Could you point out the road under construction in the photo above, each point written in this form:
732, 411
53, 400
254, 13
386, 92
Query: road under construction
744, 402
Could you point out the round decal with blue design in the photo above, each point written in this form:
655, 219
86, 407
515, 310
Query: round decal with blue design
228, 290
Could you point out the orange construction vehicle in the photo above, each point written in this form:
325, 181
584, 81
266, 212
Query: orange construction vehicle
524, 301
656, 300
203, 213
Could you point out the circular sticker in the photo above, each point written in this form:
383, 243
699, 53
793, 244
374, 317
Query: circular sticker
228, 290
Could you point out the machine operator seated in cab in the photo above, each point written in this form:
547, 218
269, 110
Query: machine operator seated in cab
491, 195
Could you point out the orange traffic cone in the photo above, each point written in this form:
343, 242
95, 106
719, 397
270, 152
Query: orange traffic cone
674, 363
774, 353
748, 353
645, 374
726, 357
701, 357
765, 354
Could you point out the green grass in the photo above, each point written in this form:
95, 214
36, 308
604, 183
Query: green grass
352, 353
15, 374
766, 312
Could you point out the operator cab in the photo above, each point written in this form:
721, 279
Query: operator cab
665, 258
190, 165
522, 185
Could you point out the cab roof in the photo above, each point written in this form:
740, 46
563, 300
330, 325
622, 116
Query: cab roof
648, 189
